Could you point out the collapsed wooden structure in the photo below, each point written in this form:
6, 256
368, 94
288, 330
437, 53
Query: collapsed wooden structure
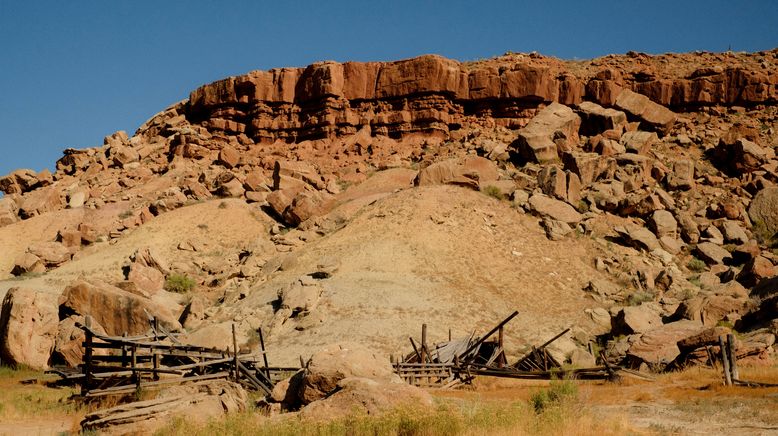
447, 364
123, 365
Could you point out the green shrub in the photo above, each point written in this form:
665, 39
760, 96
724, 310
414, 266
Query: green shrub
763, 235
696, 265
559, 393
639, 298
493, 192
180, 283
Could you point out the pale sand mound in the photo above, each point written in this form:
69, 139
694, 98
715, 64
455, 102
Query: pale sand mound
444, 255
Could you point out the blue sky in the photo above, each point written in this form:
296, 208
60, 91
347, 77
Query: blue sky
75, 71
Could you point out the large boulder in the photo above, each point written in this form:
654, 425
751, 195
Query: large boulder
635, 319
18, 182
52, 254
650, 114
8, 210
659, 346
28, 327
301, 296
763, 211
554, 127
118, 311
40, 201
473, 171
28, 263
596, 119
710, 309
367, 396
663, 224
336, 362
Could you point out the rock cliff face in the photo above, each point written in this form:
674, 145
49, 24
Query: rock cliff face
435, 94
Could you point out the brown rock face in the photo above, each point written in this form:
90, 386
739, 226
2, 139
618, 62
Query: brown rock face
28, 327
116, 310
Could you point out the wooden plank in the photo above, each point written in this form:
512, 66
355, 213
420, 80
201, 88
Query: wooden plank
128, 389
259, 385
487, 335
264, 354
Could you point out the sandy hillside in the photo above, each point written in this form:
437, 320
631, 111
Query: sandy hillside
444, 255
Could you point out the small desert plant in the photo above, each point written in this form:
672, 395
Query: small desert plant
223, 205
762, 234
493, 192
559, 393
180, 283
202, 226
126, 214
639, 298
696, 265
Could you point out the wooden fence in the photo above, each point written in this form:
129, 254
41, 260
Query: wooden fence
123, 365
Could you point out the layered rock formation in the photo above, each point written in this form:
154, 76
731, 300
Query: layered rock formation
431, 93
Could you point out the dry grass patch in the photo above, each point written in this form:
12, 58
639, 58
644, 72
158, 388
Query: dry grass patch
552, 410
34, 401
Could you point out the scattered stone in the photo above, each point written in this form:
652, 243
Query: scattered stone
712, 254
638, 142
555, 209
28, 263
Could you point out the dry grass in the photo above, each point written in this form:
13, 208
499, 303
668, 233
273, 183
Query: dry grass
34, 401
561, 412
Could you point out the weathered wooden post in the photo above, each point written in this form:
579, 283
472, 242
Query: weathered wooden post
733, 370
235, 353
725, 361
424, 350
87, 356
264, 353
124, 351
134, 362
155, 354
500, 338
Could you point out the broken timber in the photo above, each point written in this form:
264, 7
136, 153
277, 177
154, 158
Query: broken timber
457, 361
124, 365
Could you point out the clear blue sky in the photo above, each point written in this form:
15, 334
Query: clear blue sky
75, 71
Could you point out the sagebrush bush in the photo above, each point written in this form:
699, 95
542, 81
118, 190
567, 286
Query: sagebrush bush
559, 393
696, 265
179, 283
493, 192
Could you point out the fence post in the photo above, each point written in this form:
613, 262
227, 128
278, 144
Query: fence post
424, 349
264, 353
235, 353
155, 355
732, 357
725, 361
124, 350
87, 356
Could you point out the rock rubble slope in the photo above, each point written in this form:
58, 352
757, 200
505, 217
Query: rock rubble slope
629, 196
